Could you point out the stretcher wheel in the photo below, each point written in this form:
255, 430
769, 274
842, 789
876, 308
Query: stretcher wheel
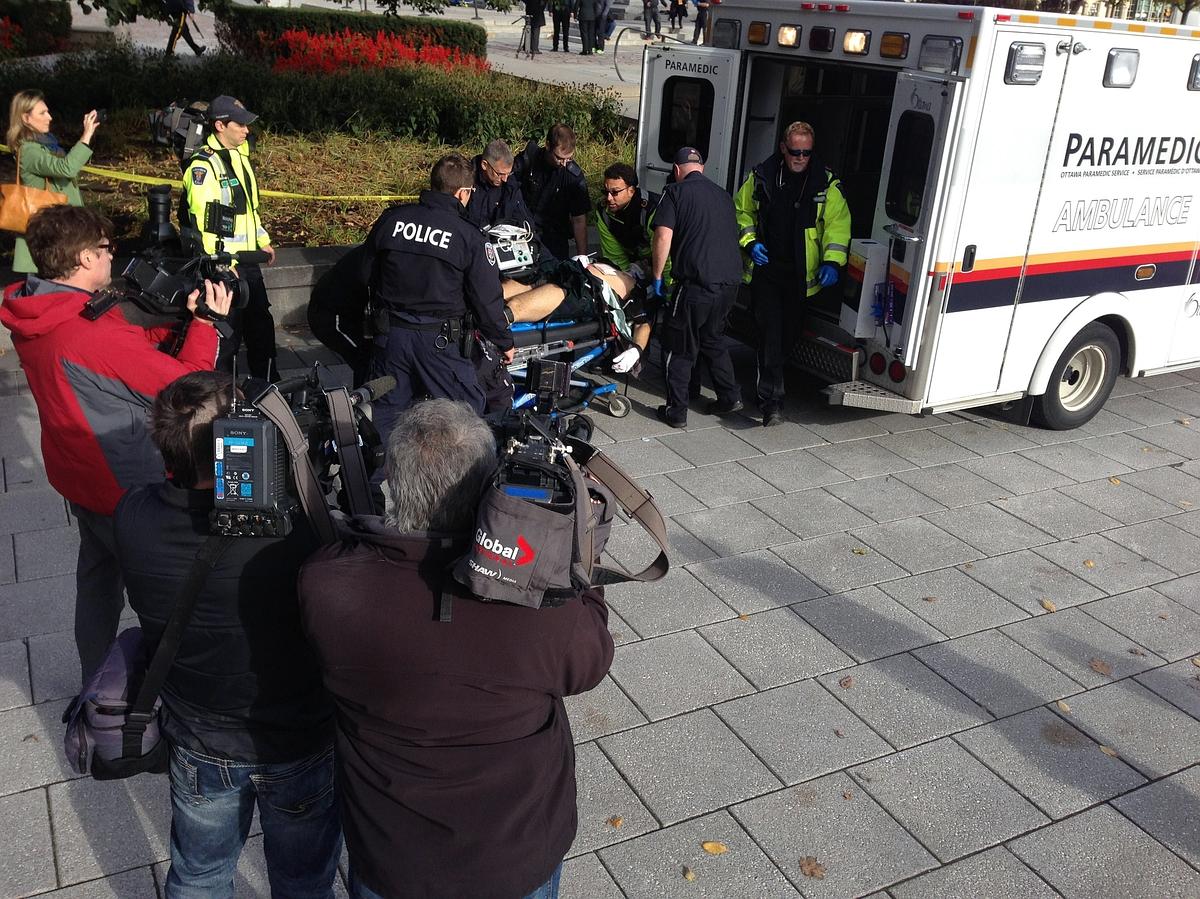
618, 406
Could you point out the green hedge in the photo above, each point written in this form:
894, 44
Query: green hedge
422, 102
253, 30
45, 24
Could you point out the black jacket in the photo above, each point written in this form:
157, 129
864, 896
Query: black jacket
553, 193
429, 262
244, 685
704, 245
456, 770
492, 205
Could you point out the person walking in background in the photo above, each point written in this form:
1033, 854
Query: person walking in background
585, 14
560, 13
535, 10
650, 15
601, 23
41, 160
701, 21
676, 14
178, 12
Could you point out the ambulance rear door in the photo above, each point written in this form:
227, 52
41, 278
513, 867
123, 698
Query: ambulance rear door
689, 99
916, 172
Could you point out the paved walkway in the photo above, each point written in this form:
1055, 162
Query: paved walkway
940, 656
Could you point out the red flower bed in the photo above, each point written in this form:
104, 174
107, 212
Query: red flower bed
10, 37
300, 51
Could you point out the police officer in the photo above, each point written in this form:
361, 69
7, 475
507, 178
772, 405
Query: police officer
556, 191
795, 224
220, 172
497, 195
430, 268
695, 226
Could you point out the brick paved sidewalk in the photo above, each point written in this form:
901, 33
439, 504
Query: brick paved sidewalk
851, 678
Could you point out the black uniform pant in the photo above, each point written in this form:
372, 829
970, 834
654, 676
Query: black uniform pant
535, 36
777, 304
562, 27
600, 31
179, 27
694, 328
255, 324
424, 363
701, 22
587, 36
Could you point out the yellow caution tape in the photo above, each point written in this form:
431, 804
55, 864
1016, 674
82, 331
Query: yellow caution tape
116, 175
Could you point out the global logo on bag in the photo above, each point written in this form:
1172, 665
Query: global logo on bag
493, 548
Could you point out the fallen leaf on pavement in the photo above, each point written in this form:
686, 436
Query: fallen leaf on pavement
838, 732
860, 551
1049, 606
1100, 667
1196, 661
1164, 616
810, 867
1114, 481
969, 566
847, 682
847, 795
616, 821
743, 617
1063, 707
688, 873
929, 599
31, 738
714, 847
1136, 651
1089, 563
1109, 751
1183, 421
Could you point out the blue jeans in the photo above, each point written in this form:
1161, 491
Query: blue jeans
548, 890
212, 802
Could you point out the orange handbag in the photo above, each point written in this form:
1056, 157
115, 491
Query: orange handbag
21, 202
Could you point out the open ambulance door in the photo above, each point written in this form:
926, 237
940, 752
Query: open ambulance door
688, 100
916, 166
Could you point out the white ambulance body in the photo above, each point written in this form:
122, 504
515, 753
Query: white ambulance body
1023, 189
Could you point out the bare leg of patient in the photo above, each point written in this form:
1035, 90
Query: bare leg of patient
533, 305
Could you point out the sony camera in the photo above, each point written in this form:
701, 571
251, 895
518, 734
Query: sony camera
263, 478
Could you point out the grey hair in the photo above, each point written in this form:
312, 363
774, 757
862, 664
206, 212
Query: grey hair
498, 151
439, 455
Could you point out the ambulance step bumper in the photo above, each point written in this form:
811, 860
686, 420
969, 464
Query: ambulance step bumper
870, 396
826, 358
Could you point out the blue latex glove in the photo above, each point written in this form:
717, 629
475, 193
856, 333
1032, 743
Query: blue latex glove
758, 253
827, 274
659, 289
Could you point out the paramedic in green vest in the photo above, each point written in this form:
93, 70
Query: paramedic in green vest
221, 171
624, 221
794, 224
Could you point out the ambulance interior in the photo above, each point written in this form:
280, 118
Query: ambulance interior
849, 107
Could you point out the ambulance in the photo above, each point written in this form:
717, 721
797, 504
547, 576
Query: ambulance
1023, 188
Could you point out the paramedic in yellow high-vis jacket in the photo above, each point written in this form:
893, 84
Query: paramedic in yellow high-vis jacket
794, 224
220, 171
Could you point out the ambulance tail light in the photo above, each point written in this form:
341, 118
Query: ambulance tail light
856, 43
789, 36
758, 33
821, 39
967, 16
808, 7
894, 45
1025, 63
841, 7
825, 7
897, 371
878, 363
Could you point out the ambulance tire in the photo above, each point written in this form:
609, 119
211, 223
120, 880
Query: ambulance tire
1081, 380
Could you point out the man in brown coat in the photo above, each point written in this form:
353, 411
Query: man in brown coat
455, 763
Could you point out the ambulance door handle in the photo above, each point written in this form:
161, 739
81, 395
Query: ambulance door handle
895, 231
968, 263
1077, 49
1063, 47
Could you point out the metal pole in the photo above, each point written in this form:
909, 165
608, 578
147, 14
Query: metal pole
477, 15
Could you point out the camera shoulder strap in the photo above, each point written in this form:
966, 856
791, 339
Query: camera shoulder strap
640, 506
275, 407
142, 712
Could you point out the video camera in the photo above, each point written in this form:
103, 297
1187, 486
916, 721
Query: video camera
161, 276
295, 446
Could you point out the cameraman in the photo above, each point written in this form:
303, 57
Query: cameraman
220, 173
244, 711
456, 768
93, 382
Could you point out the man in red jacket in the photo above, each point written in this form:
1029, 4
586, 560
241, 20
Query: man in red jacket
455, 764
93, 382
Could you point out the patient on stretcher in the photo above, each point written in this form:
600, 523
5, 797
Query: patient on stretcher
573, 292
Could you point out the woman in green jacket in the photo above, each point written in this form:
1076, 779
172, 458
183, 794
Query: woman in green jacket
43, 159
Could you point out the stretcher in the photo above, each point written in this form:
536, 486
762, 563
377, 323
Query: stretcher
587, 343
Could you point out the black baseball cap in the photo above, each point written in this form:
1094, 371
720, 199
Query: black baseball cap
227, 109
688, 155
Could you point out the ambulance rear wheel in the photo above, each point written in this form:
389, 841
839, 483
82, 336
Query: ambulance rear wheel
618, 406
1081, 380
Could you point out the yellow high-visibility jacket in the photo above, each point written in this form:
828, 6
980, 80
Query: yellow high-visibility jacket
216, 173
828, 240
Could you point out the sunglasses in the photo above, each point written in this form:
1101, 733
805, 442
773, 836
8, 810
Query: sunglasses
615, 191
804, 154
